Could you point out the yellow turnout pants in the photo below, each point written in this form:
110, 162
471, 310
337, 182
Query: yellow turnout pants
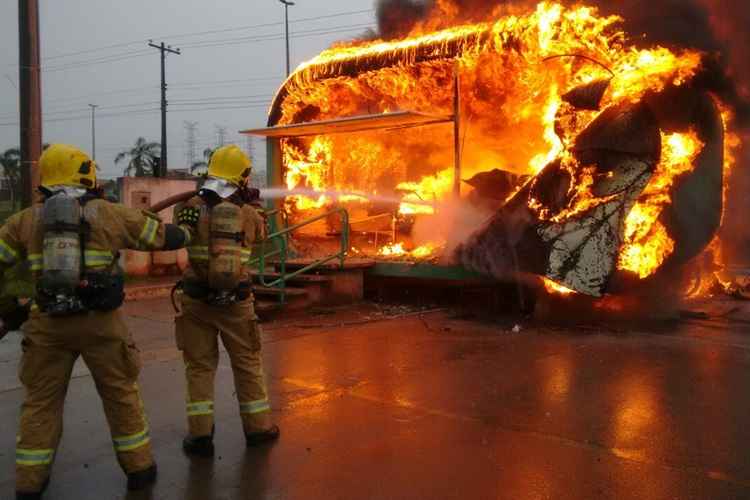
50, 349
197, 330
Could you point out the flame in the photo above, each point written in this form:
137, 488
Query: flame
399, 250
647, 243
556, 288
513, 71
392, 250
310, 169
431, 189
732, 143
424, 251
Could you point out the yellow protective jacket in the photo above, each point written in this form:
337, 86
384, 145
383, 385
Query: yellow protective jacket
253, 226
114, 227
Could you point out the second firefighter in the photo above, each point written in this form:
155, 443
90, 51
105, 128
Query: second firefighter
217, 301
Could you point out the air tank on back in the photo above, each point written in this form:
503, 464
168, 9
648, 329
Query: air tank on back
62, 246
225, 265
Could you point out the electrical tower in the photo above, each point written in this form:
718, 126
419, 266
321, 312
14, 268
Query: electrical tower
250, 147
164, 49
221, 136
93, 129
191, 143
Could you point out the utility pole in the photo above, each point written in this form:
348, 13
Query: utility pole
93, 130
164, 49
287, 3
30, 96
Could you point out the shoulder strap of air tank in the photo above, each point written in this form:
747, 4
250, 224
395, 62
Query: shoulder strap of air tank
84, 231
238, 237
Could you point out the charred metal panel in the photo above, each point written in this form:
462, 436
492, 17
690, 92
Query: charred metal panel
584, 249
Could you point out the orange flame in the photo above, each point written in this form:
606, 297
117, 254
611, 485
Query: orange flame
431, 189
556, 288
647, 244
514, 70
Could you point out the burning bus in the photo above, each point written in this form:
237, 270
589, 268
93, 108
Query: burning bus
540, 141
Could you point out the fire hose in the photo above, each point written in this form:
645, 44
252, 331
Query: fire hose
171, 201
248, 195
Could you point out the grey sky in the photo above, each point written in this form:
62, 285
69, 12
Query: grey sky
239, 76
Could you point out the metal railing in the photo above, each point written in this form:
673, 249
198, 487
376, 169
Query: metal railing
281, 249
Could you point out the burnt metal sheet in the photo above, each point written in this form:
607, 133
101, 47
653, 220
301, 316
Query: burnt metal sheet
399, 119
584, 249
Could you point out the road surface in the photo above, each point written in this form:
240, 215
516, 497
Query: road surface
430, 406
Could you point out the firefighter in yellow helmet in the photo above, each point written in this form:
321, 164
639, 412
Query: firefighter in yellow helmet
70, 242
217, 301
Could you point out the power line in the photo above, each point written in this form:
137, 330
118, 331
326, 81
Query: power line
90, 51
239, 99
217, 82
178, 87
148, 111
93, 62
209, 44
97, 94
277, 36
278, 23
82, 108
209, 32
222, 98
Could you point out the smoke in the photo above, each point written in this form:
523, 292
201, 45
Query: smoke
396, 17
454, 224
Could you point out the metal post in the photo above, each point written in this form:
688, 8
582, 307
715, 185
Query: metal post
456, 134
286, 17
93, 130
30, 92
162, 170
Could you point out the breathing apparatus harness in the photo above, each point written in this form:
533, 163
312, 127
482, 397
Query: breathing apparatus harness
66, 286
224, 286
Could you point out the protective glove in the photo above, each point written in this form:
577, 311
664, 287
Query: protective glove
14, 318
188, 216
252, 195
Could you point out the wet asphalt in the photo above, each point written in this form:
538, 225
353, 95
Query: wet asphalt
431, 406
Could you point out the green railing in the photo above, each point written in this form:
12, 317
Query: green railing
281, 249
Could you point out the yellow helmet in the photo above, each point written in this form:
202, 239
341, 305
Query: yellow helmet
231, 164
63, 165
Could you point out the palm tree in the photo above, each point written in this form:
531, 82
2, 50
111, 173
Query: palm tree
203, 164
10, 160
142, 158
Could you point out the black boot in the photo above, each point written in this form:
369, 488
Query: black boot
28, 496
202, 446
141, 479
258, 438
32, 496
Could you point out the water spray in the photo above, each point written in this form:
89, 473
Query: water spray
279, 193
